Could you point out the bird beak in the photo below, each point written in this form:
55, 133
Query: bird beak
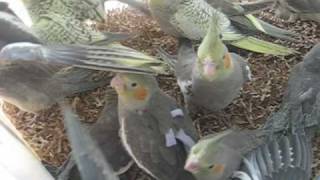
117, 83
209, 69
192, 165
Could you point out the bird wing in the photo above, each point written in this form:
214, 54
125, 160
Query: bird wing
88, 156
12, 29
146, 143
171, 116
56, 28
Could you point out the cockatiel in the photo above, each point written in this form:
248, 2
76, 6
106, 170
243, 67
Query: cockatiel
191, 19
81, 10
64, 21
12, 28
292, 9
251, 155
33, 76
17, 160
281, 150
212, 77
105, 133
87, 154
154, 130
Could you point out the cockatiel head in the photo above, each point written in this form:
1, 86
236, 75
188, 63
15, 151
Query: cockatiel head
134, 90
214, 60
211, 159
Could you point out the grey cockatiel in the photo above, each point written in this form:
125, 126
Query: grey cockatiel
105, 133
153, 128
17, 160
281, 150
292, 9
191, 19
33, 76
12, 28
212, 77
87, 154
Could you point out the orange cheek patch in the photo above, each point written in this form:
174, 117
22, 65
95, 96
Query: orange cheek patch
227, 61
140, 93
218, 169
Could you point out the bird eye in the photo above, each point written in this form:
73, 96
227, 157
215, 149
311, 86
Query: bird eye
133, 84
210, 167
220, 36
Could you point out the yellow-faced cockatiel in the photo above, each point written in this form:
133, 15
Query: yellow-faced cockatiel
212, 77
191, 19
153, 128
281, 150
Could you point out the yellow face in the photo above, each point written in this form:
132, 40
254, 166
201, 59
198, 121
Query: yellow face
130, 87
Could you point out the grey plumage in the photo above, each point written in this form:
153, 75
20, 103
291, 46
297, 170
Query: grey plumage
31, 82
154, 130
88, 156
105, 133
44, 76
12, 28
293, 9
283, 151
199, 92
291, 154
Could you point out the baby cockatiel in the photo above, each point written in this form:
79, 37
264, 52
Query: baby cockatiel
191, 19
251, 155
213, 77
292, 9
34, 77
281, 150
154, 129
105, 132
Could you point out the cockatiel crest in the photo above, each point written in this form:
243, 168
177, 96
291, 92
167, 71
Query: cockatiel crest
214, 60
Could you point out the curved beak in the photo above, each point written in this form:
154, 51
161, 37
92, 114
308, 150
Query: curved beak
209, 69
117, 82
192, 165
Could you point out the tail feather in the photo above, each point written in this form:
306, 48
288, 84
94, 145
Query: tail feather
260, 46
277, 32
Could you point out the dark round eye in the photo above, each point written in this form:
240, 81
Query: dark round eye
134, 84
210, 167
220, 36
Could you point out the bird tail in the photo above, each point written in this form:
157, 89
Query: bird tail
270, 29
114, 57
260, 46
